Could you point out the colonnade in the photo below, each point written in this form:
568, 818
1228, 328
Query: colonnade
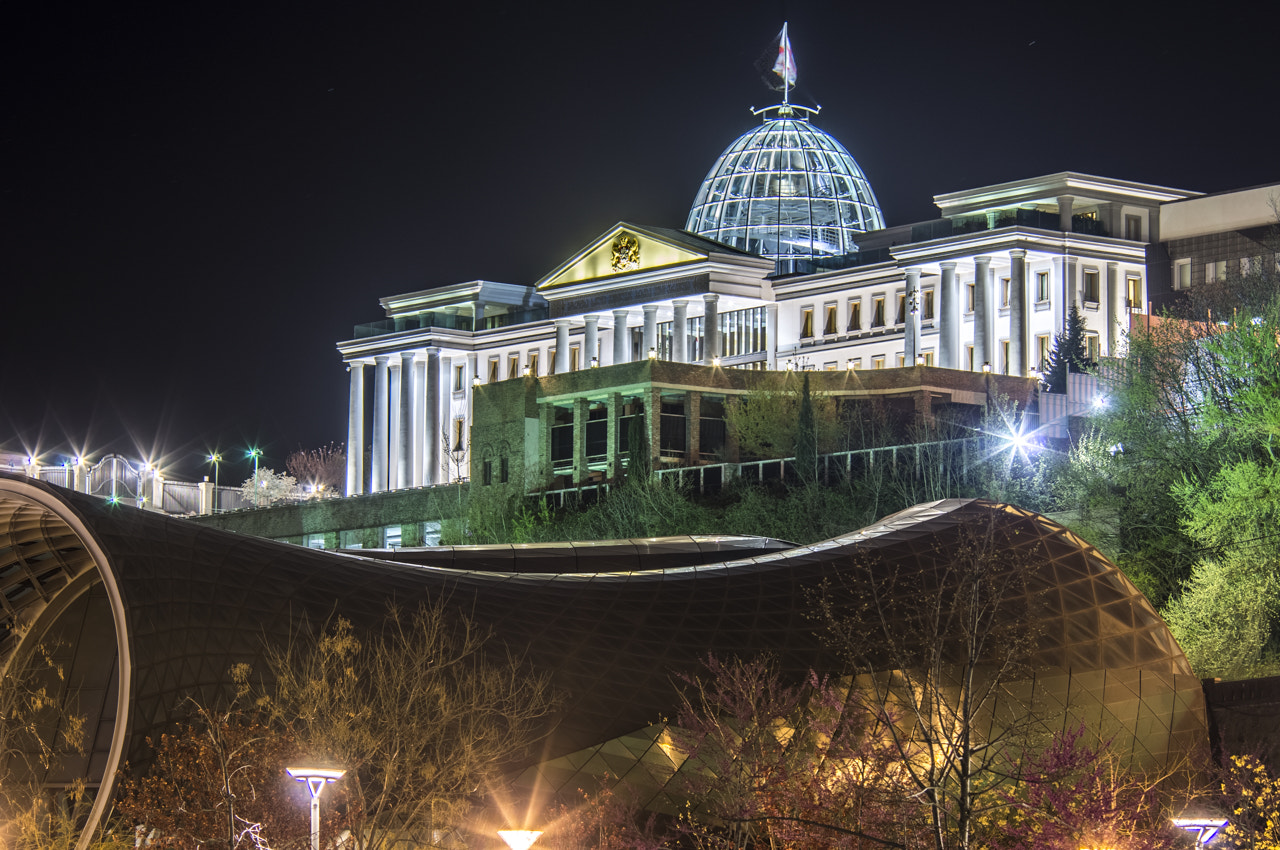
407, 435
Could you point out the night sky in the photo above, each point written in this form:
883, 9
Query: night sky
200, 200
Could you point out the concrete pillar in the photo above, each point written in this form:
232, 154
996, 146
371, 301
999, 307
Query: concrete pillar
477, 322
982, 344
911, 334
404, 456
1065, 203
546, 419
1068, 294
381, 402
207, 496
562, 346
693, 427
1018, 312
621, 339
1115, 308
355, 430
949, 318
613, 462
710, 328
419, 402
580, 412
591, 340
650, 342
680, 331
433, 426
393, 425
653, 419
771, 335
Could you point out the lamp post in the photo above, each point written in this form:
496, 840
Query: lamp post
315, 777
255, 453
215, 459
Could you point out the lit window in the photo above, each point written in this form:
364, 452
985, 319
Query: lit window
857, 363
829, 324
573, 358
1042, 287
928, 358
1091, 286
1215, 272
877, 312
533, 363
1092, 347
855, 315
968, 357
431, 533
928, 305
493, 370
1004, 291
1004, 355
829, 366
315, 541
806, 322
459, 378
970, 297
513, 366
1133, 290
551, 361
1044, 344
877, 362
459, 435
901, 360
902, 309
391, 536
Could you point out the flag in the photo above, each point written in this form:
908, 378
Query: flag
777, 65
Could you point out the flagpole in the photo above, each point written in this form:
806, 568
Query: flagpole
786, 66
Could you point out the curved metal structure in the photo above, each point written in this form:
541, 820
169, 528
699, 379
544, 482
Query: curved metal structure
786, 190
152, 609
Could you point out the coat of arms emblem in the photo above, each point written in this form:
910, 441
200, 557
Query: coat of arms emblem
626, 253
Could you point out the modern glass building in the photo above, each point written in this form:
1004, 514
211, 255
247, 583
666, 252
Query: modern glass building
786, 189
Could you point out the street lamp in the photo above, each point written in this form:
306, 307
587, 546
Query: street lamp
255, 453
315, 777
519, 839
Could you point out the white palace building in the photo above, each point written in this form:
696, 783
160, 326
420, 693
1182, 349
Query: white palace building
785, 263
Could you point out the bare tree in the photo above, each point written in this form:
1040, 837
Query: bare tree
321, 471
421, 713
937, 647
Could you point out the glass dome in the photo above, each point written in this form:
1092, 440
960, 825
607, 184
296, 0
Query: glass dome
786, 190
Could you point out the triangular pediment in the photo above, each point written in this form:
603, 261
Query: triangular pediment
626, 249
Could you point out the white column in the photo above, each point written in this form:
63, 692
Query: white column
621, 339
393, 426
590, 340
1065, 204
771, 335
982, 343
1115, 309
404, 462
431, 433
680, 331
562, 346
1018, 312
419, 402
650, 343
949, 317
380, 409
710, 328
355, 430
911, 335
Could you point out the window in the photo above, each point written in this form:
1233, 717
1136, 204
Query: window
551, 361
1182, 274
459, 435
829, 324
968, 357
1092, 347
1044, 344
928, 304
533, 363
573, 358
504, 471
877, 362
351, 539
857, 362
970, 296
431, 533
1091, 286
902, 359
486, 473
806, 322
1004, 291
855, 315
513, 365
391, 536
1004, 356
1133, 292
1133, 227
493, 370
1042, 286
830, 366
459, 378
902, 309
1215, 272
928, 358
877, 312
315, 541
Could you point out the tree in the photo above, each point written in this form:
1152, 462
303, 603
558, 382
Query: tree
322, 471
1068, 353
763, 421
1253, 795
1071, 795
940, 647
781, 764
639, 463
266, 487
806, 437
219, 780
421, 712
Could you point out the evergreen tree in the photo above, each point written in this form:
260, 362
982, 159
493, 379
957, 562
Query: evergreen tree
1068, 354
806, 437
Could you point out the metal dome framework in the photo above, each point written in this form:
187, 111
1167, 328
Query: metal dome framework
786, 189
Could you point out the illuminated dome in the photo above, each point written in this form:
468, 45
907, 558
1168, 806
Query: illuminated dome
786, 190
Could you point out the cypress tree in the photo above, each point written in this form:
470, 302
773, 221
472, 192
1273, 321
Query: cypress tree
638, 461
806, 437
1068, 353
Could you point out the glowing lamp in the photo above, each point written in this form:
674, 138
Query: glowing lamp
519, 839
525, 373
1204, 829
791, 367
848, 364
475, 382
315, 778
595, 362
715, 361
986, 367
653, 354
